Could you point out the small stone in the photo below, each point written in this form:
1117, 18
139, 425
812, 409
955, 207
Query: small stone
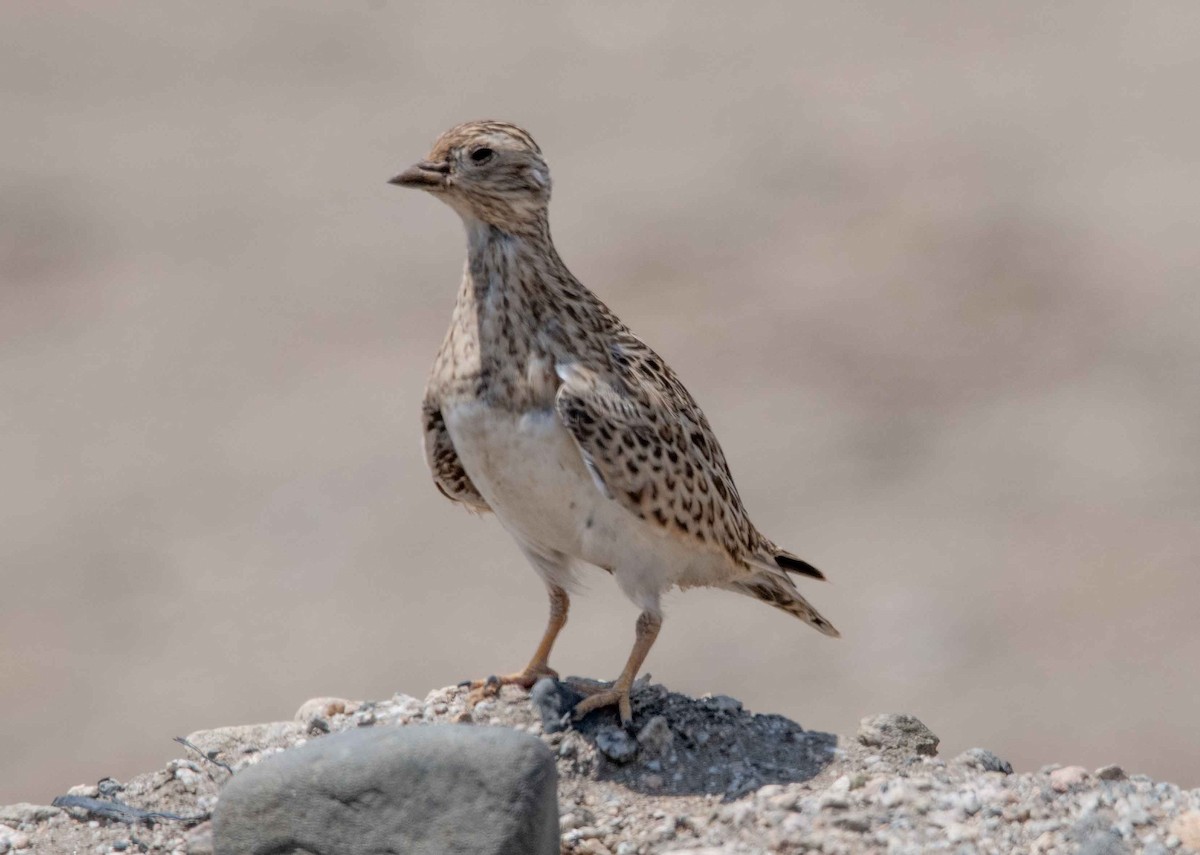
189, 778
984, 760
323, 709
617, 745
853, 822
656, 738
89, 791
968, 804
898, 731
1110, 773
1187, 828
833, 801
1067, 777
554, 701
896, 794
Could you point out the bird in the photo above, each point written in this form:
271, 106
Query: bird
544, 409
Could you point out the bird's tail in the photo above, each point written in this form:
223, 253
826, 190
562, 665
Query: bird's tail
777, 590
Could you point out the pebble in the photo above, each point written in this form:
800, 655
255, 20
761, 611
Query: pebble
1110, 773
617, 745
1066, 777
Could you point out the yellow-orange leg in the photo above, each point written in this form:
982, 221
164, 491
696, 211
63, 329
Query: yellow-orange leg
648, 625
539, 665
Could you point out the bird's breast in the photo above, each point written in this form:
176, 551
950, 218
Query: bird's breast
527, 467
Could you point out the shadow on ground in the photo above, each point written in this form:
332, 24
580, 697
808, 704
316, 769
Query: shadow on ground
679, 745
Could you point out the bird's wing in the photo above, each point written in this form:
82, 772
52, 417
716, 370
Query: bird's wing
448, 473
650, 448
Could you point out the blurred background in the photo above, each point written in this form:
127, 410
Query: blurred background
930, 268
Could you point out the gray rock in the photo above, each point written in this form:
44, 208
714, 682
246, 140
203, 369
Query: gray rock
898, 731
420, 790
656, 738
617, 745
1110, 773
981, 758
554, 701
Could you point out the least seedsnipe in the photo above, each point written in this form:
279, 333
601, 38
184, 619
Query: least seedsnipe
543, 408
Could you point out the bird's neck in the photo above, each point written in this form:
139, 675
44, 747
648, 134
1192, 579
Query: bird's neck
514, 277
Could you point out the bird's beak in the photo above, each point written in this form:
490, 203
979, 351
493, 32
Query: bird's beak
423, 176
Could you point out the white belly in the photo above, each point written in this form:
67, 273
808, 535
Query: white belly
530, 472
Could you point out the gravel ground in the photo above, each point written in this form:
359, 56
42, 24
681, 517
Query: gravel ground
696, 776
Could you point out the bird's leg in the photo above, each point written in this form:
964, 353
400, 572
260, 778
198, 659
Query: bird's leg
539, 665
648, 624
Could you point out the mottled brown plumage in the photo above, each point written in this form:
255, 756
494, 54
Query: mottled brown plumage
544, 408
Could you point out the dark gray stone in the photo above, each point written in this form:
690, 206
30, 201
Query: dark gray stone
898, 731
419, 790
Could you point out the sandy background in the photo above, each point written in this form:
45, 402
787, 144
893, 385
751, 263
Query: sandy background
930, 269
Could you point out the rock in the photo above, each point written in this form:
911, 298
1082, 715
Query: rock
21, 812
898, 731
1110, 773
430, 789
984, 760
1187, 828
1067, 777
554, 701
617, 745
656, 738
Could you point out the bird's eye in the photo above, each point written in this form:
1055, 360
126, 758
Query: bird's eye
482, 155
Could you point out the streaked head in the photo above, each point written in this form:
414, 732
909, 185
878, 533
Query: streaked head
488, 171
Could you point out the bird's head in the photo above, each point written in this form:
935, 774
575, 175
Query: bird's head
488, 171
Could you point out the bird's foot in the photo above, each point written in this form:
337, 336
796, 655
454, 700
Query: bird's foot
489, 687
606, 697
